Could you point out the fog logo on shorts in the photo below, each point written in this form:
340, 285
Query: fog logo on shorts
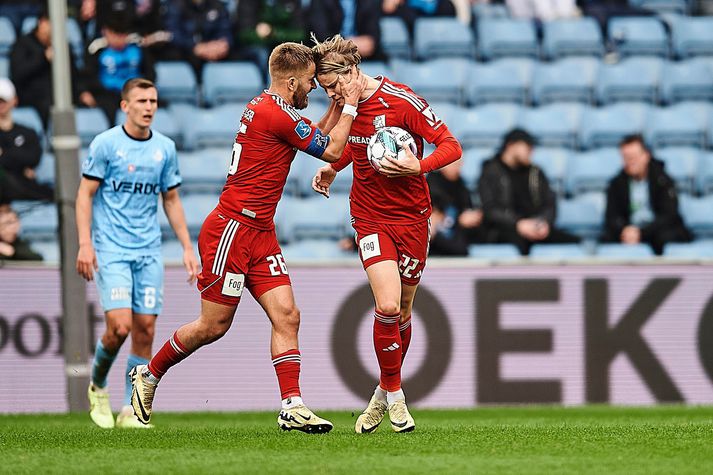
233, 284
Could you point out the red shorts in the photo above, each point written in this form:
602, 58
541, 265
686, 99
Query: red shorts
234, 257
406, 244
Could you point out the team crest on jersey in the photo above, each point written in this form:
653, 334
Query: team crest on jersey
379, 122
302, 129
158, 155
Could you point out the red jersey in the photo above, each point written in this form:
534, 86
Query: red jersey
375, 197
271, 132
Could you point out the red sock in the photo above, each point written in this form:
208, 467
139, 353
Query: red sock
387, 344
287, 367
171, 353
405, 332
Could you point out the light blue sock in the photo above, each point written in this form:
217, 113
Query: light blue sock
102, 364
131, 362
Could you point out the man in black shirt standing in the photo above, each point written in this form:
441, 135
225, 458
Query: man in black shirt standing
519, 206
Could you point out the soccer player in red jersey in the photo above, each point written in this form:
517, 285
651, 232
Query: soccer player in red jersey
237, 243
390, 212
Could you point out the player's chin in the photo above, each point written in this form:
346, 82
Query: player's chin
146, 119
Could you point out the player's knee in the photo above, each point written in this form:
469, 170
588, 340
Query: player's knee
292, 318
120, 331
388, 308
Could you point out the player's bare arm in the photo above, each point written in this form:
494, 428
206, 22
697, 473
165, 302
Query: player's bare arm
174, 212
351, 87
86, 258
448, 150
330, 117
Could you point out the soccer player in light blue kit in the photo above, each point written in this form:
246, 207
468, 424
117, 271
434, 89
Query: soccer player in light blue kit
128, 167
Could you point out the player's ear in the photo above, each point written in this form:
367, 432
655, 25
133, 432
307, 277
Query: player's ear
124, 104
292, 83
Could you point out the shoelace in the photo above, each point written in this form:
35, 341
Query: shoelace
399, 411
372, 417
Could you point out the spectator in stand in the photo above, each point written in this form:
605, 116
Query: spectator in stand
518, 205
200, 32
354, 20
642, 204
543, 10
31, 68
263, 25
410, 10
20, 153
112, 60
455, 223
17, 10
12, 247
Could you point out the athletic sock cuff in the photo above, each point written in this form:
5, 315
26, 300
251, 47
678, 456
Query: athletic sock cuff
387, 319
289, 355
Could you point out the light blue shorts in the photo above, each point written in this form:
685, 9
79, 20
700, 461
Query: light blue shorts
126, 281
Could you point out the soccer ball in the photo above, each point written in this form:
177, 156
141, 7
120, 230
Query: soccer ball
388, 141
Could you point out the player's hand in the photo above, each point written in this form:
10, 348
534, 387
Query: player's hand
407, 166
323, 179
190, 262
87, 261
352, 86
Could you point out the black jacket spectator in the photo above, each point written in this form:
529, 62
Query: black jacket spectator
12, 247
326, 18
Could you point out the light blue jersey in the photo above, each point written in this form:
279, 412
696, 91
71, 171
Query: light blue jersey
133, 173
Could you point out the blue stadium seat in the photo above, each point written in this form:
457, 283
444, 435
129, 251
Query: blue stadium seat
624, 252
692, 36
196, 207
591, 171
555, 252
314, 250
214, 127
90, 123
7, 36
697, 215
633, 79
495, 252
682, 124
582, 215
316, 218
4, 67
376, 68
663, 7
238, 81
473, 159
395, 38
45, 170
437, 80
29, 117
699, 249
445, 110
498, 37
163, 121
442, 36
704, 176
39, 220
638, 35
681, 165
172, 250
686, 81
570, 79
489, 10
554, 125
176, 82
204, 171
606, 126
553, 162
503, 80
484, 126
303, 169
49, 250
572, 38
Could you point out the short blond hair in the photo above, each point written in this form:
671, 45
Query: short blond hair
135, 83
335, 55
290, 58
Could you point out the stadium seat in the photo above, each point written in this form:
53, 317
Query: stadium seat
681, 165
4, 67
314, 250
29, 117
45, 170
682, 124
484, 126
582, 215
632, 79
638, 36
395, 38
503, 80
196, 207
498, 37
376, 68
49, 250
303, 169
554, 252
606, 126
214, 127
553, 162
554, 125
445, 110
663, 7
494, 252
204, 171
624, 252
700, 249
697, 215
7, 36
489, 10
316, 218
163, 121
692, 36
591, 171
437, 80
238, 81
39, 220
442, 36
704, 175
686, 81
569, 79
473, 159
90, 123
572, 38
176, 82
172, 250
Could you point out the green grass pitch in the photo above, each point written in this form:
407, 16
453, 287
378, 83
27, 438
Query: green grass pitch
668, 439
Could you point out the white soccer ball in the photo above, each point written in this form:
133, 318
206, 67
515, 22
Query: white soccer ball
388, 141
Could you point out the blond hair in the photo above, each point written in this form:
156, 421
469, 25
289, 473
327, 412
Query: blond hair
335, 55
134, 83
290, 58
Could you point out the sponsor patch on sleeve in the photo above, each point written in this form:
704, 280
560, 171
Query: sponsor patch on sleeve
302, 129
